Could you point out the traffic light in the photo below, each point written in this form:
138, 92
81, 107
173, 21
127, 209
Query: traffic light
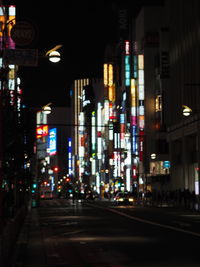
34, 186
55, 169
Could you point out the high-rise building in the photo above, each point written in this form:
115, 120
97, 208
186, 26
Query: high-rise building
182, 89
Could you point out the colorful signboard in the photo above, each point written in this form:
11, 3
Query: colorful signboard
41, 131
52, 141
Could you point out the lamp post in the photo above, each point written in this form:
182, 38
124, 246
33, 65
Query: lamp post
187, 111
54, 56
41, 150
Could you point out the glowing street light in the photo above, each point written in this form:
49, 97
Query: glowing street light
53, 54
186, 111
47, 109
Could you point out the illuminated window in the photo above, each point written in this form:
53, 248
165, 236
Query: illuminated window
158, 103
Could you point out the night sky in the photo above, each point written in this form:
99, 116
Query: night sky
83, 28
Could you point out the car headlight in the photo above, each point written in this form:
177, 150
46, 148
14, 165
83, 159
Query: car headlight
131, 199
121, 199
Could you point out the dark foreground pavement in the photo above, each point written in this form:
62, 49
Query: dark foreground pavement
29, 249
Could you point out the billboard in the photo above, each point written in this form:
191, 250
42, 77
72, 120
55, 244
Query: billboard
52, 141
41, 131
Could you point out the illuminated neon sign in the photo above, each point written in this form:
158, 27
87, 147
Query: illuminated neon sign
52, 141
41, 131
141, 96
69, 156
127, 63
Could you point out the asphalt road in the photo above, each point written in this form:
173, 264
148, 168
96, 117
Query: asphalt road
63, 233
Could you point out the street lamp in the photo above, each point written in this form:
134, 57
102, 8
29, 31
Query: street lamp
47, 109
41, 157
153, 156
186, 111
53, 54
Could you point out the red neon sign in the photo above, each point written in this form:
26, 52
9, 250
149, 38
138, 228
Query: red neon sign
41, 131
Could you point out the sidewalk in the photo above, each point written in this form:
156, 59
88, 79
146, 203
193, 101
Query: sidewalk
29, 250
9, 235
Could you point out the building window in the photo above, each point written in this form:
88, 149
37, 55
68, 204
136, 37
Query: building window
158, 103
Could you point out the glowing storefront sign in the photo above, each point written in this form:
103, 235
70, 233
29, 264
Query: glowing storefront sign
69, 156
135, 67
140, 62
166, 164
81, 142
110, 92
134, 172
41, 131
112, 112
127, 63
8, 22
128, 179
141, 97
110, 75
93, 167
108, 81
134, 140
106, 111
117, 164
99, 129
81, 152
98, 183
99, 147
93, 132
122, 130
105, 74
99, 120
111, 132
52, 141
141, 142
111, 86
127, 48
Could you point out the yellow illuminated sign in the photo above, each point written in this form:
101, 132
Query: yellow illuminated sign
140, 62
105, 74
110, 74
133, 93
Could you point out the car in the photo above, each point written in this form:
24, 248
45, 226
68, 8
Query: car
46, 195
124, 198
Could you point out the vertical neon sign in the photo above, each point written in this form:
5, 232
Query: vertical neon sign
141, 104
127, 63
52, 141
134, 116
93, 119
69, 156
81, 143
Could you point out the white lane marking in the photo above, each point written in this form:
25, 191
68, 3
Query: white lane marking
135, 239
154, 223
184, 224
149, 222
